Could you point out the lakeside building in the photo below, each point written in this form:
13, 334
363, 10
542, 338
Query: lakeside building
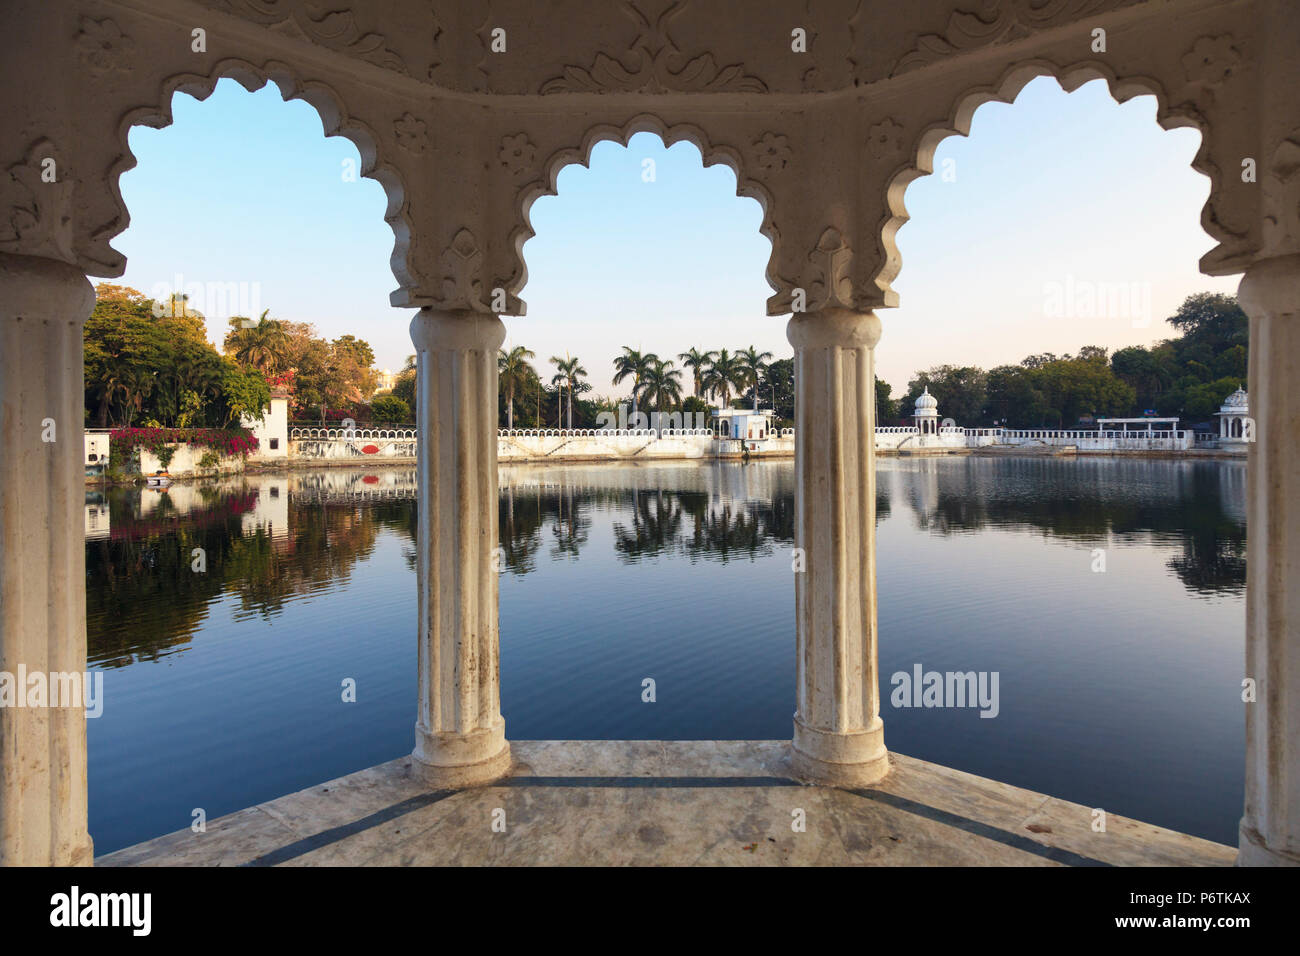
742, 423
1235, 423
925, 413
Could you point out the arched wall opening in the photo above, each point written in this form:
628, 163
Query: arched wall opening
240, 206
1064, 221
645, 246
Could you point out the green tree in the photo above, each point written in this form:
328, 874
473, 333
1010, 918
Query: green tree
514, 372
1083, 386
725, 373
961, 392
752, 363
390, 410
568, 376
263, 345
886, 407
633, 364
245, 393
662, 384
778, 386
697, 363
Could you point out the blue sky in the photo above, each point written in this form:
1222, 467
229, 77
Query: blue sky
1055, 192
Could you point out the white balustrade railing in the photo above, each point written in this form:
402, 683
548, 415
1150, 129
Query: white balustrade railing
1010, 436
570, 433
300, 433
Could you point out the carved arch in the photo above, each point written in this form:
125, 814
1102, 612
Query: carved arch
1005, 90
335, 121
712, 154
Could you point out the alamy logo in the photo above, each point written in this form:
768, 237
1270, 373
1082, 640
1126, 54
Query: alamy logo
55, 689
655, 420
103, 909
950, 689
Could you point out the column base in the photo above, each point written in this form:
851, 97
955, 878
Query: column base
1251, 851
457, 761
839, 760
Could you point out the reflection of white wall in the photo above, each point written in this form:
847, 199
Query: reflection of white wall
96, 520
271, 512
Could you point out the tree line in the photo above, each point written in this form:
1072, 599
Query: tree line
150, 364
1187, 376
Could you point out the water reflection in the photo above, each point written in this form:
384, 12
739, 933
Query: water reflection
1197, 505
1119, 690
265, 539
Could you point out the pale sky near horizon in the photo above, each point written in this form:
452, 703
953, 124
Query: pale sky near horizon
1054, 193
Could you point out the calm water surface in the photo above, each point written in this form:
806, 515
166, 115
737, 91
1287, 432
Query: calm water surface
1117, 690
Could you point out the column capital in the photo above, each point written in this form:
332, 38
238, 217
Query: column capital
31, 281
845, 328
1271, 286
444, 330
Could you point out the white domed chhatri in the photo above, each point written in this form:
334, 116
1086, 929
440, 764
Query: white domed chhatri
926, 413
1237, 401
1235, 423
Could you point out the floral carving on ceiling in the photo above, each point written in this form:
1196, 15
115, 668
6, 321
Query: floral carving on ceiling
102, 48
1011, 20
337, 30
655, 64
1211, 60
36, 206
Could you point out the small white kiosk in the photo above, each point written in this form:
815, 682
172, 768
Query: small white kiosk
742, 424
1234, 418
926, 413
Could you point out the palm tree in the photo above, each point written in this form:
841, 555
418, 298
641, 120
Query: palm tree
698, 362
513, 368
633, 363
262, 345
725, 373
663, 383
568, 375
753, 363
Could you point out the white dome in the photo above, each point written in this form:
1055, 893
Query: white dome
926, 404
1238, 399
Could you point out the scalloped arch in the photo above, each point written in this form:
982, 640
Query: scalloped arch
335, 121
1005, 90
712, 154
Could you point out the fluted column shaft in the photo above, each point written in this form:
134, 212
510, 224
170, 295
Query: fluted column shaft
838, 737
459, 732
1270, 827
43, 308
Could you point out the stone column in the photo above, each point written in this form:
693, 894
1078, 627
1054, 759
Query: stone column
838, 738
1270, 828
459, 732
43, 307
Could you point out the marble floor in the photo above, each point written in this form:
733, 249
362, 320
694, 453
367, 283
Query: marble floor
646, 803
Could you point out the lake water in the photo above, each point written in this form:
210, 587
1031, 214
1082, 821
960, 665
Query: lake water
1117, 689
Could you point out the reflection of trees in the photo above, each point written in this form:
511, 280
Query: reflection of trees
1089, 501
520, 534
323, 543
656, 524
144, 598
570, 525
722, 534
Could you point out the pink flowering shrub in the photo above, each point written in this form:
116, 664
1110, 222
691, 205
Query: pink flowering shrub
231, 441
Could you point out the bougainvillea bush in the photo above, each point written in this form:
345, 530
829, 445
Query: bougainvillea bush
224, 441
